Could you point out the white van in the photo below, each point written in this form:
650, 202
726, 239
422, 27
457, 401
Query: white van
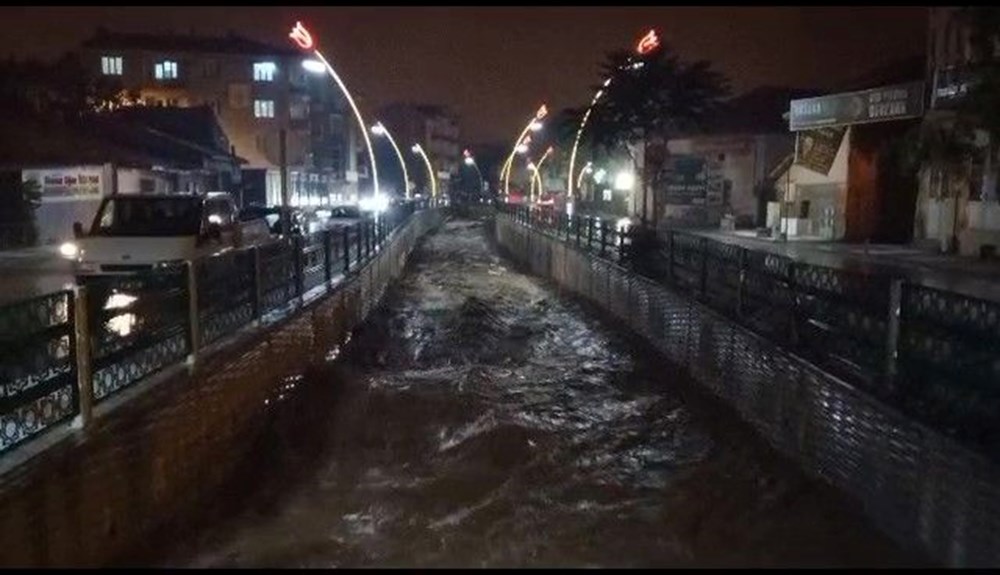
134, 233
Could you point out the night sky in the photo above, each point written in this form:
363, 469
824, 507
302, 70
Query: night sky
494, 65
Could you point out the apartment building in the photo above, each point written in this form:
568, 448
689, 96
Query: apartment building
436, 129
259, 93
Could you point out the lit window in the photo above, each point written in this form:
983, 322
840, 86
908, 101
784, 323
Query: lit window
263, 108
111, 65
264, 71
166, 70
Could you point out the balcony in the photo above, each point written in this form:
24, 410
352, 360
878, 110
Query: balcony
951, 85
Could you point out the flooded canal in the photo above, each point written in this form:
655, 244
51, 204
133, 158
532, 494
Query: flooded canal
481, 419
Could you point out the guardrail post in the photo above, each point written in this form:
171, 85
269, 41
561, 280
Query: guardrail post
297, 242
703, 279
359, 231
793, 333
327, 257
368, 239
256, 294
194, 332
604, 233
84, 364
576, 224
346, 237
741, 287
670, 256
590, 234
892, 332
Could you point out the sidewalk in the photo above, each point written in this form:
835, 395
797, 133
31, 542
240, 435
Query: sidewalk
968, 276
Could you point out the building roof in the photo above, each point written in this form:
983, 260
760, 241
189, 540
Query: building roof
196, 125
31, 143
134, 138
228, 44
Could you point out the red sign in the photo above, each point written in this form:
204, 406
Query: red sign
301, 36
648, 43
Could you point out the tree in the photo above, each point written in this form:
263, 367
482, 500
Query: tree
62, 92
18, 201
652, 97
981, 107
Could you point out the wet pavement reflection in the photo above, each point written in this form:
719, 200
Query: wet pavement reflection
481, 419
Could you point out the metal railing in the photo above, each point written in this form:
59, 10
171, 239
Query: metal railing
62, 353
934, 355
930, 492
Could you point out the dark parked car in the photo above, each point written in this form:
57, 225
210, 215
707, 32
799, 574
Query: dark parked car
272, 215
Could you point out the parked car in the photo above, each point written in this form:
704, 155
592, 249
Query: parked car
272, 216
342, 216
133, 233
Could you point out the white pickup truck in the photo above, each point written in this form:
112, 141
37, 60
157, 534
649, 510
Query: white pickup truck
135, 233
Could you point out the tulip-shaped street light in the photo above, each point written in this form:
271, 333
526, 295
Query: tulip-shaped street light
521, 147
304, 40
646, 44
537, 175
430, 169
380, 130
471, 161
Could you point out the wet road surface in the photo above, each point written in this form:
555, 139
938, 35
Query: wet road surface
480, 419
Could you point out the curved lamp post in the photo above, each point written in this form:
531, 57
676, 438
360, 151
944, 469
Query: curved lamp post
430, 170
304, 40
380, 130
646, 44
470, 161
520, 147
537, 169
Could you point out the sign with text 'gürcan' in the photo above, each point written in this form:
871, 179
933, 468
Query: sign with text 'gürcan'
876, 105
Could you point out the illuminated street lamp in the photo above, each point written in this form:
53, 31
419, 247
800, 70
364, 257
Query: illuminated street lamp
586, 169
646, 44
301, 36
521, 147
430, 170
380, 130
537, 169
470, 161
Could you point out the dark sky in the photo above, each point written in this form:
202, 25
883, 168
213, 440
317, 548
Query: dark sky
495, 65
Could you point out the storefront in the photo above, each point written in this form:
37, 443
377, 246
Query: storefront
843, 183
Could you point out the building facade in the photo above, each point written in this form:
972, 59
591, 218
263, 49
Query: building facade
136, 150
957, 207
259, 92
437, 130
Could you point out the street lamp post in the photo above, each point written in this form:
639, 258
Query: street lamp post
470, 161
646, 44
304, 39
537, 169
534, 125
586, 169
430, 169
380, 130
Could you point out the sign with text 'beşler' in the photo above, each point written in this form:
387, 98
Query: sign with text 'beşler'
876, 105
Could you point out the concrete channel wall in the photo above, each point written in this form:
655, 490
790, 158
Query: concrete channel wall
100, 493
921, 488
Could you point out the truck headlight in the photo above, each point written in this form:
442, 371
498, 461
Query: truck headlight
69, 250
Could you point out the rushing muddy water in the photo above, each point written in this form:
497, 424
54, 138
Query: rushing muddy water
482, 419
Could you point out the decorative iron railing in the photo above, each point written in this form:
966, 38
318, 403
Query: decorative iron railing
136, 325
930, 353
